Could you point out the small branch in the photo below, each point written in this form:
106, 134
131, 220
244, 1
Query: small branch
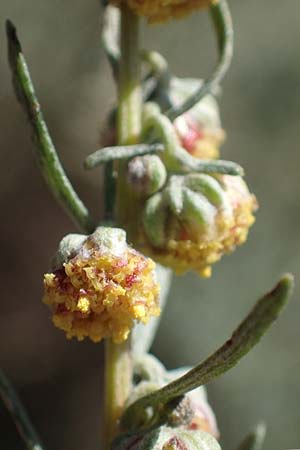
19, 415
222, 22
46, 154
244, 338
255, 440
107, 154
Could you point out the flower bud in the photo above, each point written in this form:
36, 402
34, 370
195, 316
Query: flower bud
163, 10
196, 219
146, 174
201, 415
99, 286
167, 438
192, 413
199, 129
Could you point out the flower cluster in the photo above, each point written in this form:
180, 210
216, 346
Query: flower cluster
163, 10
101, 287
212, 217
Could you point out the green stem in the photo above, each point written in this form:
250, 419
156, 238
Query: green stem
222, 22
118, 375
118, 357
47, 157
129, 116
19, 414
130, 103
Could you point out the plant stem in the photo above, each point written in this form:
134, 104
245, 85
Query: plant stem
129, 114
118, 356
130, 104
117, 385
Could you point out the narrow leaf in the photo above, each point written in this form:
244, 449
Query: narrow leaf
188, 163
244, 338
45, 151
107, 154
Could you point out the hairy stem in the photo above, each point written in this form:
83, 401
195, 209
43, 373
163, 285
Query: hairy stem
118, 357
129, 115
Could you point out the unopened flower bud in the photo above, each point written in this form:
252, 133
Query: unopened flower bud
196, 219
163, 10
100, 286
200, 130
146, 174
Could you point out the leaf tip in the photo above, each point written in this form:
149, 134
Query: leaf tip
86, 163
13, 43
286, 284
11, 32
260, 430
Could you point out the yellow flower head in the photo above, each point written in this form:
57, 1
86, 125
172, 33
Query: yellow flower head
163, 10
199, 130
100, 286
214, 218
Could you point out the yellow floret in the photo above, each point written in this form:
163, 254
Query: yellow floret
163, 10
101, 295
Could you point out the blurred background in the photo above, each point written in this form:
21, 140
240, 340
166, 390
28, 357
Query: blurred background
61, 381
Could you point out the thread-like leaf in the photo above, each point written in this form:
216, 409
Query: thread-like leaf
107, 154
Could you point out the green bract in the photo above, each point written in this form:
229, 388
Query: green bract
167, 438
